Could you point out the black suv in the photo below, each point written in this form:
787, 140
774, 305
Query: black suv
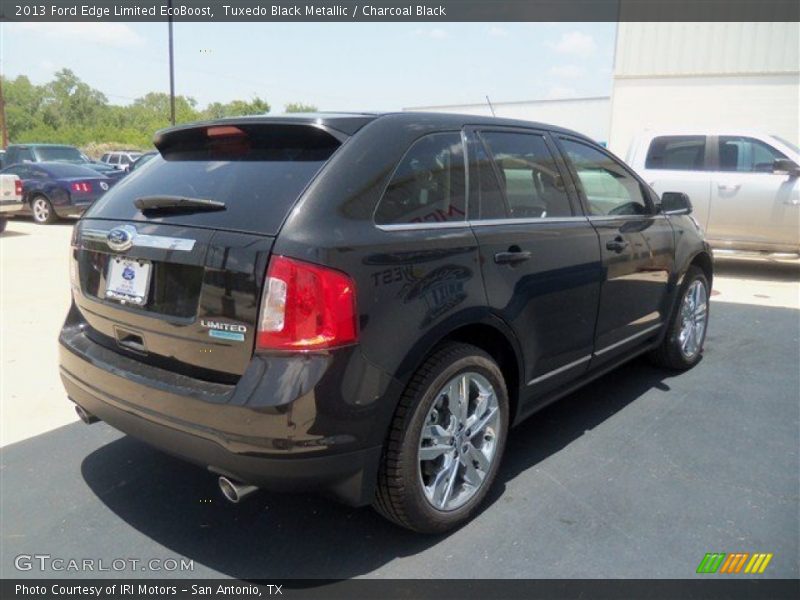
364, 304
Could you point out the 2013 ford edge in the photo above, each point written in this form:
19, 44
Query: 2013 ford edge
364, 304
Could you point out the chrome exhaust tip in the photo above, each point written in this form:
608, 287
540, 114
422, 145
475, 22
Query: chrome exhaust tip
235, 491
85, 415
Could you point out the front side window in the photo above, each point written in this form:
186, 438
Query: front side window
530, 182
677, 152
609, 189
428, 185
745, 154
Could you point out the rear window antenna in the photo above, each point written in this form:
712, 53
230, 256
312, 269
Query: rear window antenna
491, 108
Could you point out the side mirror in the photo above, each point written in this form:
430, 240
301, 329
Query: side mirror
785, 166
675, 203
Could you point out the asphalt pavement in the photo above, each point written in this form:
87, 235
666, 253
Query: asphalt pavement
638, 475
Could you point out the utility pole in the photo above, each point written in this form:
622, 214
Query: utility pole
171, 69
3, 115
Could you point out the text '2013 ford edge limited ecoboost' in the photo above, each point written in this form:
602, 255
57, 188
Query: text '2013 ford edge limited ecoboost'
364, 304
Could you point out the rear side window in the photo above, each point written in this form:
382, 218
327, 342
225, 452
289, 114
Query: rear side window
257, 170
428, 186
678, 152
529, 177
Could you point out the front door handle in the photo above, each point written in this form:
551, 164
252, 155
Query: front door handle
512, 257
728, 187
618, 244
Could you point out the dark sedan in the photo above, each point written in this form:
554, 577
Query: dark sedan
54, 189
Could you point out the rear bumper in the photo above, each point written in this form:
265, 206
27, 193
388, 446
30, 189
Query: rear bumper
11, 207
283, 448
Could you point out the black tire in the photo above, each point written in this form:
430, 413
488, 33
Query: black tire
669, 353
3, 223
400, 496
46, 215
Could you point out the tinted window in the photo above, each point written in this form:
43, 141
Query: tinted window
529, 178
428, 184
746, 154
104, 158
257, 170
679, 152
18, 155
607, 185
46, 153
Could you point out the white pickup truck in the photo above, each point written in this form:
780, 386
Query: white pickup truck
10, 197
743, 185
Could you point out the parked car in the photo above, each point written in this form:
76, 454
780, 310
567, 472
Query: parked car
36, 153
364, 304
10, 197
142, 160
743, 184
121, 159
54, 189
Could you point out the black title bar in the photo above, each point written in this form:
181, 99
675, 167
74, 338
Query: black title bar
393, 11
708, 588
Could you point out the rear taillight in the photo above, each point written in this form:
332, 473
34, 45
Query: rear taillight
306, 307
81, 186
18, 187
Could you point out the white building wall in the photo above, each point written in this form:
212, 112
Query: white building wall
769, 103
697, 75
589, 116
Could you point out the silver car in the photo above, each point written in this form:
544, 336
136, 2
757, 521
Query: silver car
743, 184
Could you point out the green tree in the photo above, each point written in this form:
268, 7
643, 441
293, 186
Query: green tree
236, 108
69, 111
299, 107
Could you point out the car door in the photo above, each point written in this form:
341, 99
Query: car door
678, 163
636, 247
539, 254
752, 207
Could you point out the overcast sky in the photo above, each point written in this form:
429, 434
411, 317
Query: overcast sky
337, 66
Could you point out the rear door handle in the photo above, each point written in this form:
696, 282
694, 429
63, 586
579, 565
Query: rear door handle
512, 258
618, 244
729, 187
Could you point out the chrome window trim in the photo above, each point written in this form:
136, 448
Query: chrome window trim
601, 218
566, 367
628, 339
526, 221
421, 226
478, 223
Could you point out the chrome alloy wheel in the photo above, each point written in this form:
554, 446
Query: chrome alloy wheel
694, 318
458, 444
41, 209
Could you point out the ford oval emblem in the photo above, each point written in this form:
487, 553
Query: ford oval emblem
121, 238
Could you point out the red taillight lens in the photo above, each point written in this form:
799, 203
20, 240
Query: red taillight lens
306, 307
81, 186
18, 187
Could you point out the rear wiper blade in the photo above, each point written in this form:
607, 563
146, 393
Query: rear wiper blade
176, 203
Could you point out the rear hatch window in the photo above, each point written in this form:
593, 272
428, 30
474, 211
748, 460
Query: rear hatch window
257, 170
